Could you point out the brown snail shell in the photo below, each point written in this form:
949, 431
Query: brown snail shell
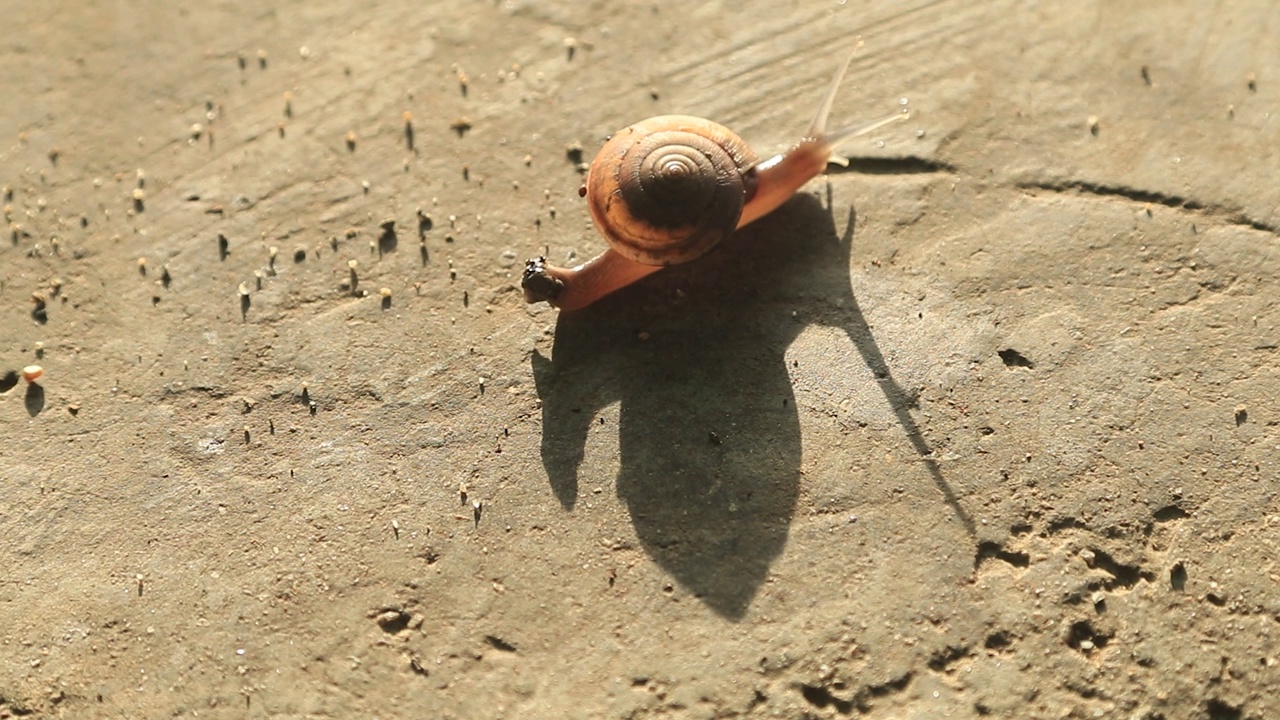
666, 190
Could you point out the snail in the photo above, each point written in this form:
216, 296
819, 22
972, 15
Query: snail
666, 190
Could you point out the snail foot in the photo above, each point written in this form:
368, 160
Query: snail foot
538, 284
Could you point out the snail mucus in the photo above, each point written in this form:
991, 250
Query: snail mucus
666, 190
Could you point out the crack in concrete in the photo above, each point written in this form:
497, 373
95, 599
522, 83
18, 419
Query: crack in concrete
905, 165
1229, 215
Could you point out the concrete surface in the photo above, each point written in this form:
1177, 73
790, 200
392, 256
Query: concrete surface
981, 426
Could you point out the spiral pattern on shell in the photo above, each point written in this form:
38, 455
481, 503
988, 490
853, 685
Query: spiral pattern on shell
667, 189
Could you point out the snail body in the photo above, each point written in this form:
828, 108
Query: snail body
666, 190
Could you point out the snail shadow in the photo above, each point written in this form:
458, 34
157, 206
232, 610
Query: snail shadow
34, 399
709, 435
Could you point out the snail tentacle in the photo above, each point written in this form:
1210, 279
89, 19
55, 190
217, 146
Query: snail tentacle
833, 139
819, 126
779, 177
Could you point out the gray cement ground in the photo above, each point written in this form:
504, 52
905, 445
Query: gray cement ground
983, 425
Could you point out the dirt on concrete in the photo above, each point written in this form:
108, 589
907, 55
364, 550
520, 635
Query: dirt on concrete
983, 425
